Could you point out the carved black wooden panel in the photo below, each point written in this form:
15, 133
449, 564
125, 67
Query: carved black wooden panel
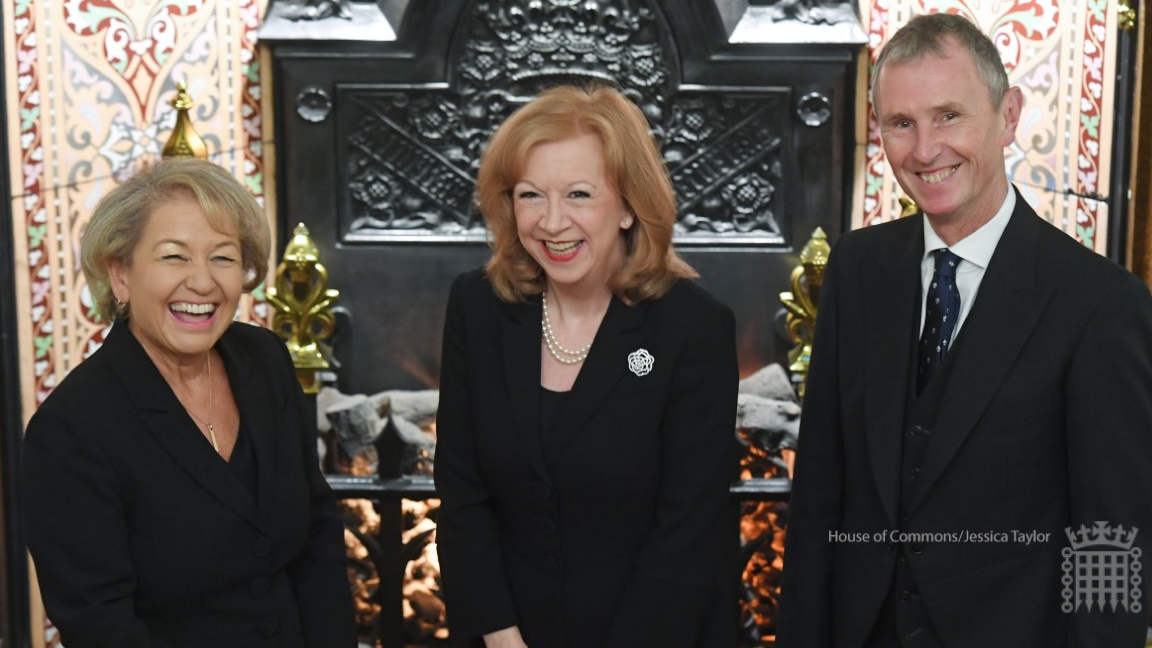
411, 164
408, 169
518, 48
413, 153
724, 152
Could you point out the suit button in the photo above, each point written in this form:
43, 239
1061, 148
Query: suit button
262, 548
547, 526
905, 596
268, 626
542, 490
552, 565
912, 635
916, 549
914, 473
259, 587
918, 431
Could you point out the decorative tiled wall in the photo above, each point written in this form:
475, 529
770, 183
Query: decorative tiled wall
89, 84
1062, 55
88, 88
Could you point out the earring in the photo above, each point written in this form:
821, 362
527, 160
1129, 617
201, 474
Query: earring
626, 223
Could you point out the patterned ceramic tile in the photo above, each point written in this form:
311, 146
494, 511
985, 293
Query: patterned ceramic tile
1060, 53
94, 79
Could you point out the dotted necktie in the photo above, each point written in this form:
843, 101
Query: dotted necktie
942, 309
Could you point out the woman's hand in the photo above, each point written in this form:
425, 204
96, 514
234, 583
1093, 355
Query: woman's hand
506, 638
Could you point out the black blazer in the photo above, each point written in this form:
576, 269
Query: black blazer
1046, 424
615, 534
143, 537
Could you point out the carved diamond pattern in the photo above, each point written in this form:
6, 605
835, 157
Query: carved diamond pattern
414, 151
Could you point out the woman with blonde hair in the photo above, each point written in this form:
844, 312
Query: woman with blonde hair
172, 491
588, 398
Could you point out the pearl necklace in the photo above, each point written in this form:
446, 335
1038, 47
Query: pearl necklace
558, 351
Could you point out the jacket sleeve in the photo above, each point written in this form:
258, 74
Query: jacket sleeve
682, 572
1109, 433
74, 520
319, 575
476, 588
805, 615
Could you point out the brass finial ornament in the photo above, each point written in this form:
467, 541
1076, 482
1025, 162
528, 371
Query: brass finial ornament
907, 206
801, 304
303, 307
184, 141
1125, 16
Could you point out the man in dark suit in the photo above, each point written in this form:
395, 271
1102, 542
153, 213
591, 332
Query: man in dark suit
981, 383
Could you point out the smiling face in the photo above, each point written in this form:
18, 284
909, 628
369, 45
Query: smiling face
945, 139
569, 216
183, 283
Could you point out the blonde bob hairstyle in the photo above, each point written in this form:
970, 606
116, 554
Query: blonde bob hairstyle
632, 164
119, 219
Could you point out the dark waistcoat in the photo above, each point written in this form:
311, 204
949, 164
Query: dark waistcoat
904, 614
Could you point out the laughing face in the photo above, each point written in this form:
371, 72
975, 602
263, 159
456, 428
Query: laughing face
183, 283
945, 139
569, 216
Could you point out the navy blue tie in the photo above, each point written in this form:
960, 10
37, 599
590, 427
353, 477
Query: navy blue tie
942, 309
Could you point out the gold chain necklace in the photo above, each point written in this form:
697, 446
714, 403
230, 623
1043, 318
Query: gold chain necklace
558, 351
211, 428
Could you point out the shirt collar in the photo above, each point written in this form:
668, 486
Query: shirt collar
977, 247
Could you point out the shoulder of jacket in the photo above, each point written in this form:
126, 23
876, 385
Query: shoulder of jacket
472, 289
251, 332
881, 234
1072, 262
689, 297
472, 282
91, 381
254, 340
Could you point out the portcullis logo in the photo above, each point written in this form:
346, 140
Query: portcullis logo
1102, 569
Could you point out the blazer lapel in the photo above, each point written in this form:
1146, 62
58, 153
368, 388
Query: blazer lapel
520, 337
164, 416
891, 292
619, 334
1007, 309
256, 416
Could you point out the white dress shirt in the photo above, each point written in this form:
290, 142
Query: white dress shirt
974, 250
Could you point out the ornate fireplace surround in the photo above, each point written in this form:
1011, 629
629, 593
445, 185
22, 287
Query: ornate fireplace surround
383, 109
378, 144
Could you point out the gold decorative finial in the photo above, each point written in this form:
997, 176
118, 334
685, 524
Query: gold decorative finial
1125, 16
802, 303
303, 307
184, 141
908, 206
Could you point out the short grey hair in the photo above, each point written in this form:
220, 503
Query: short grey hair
927, 34
115, 227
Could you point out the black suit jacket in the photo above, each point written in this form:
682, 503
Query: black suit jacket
141, 535
1046, 424
616, 534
